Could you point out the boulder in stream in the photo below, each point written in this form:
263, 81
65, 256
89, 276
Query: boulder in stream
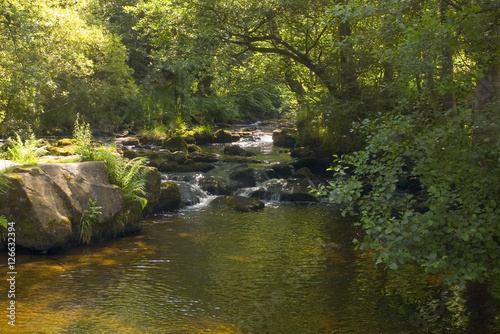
238, 203
316, 164
243, 177
224, 136
217, 185
203, 138
176, 143
285, 138
47, 202
170, 197
238, 150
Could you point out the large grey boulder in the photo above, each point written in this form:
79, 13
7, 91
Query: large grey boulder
41, 217
80, 181
47, 202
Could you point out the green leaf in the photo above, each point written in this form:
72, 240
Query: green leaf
3, 221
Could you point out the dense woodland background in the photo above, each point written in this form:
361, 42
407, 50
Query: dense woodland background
409, 90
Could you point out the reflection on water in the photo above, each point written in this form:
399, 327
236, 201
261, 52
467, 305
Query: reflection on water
286, 269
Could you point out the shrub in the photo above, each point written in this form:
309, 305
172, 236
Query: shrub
27, 152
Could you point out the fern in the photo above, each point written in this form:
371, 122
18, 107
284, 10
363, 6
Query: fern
83, 139
133, 181
129, 176
26, 152
4, 184
89, 219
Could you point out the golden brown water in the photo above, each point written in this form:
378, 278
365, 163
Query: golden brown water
286, 269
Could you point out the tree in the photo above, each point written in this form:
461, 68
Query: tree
425, 185
54, 64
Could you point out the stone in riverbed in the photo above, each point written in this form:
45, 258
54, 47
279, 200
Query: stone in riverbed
170, 197
47, 202
217, 185
224, 136
285, 138
243, 177
238, 150
204, 138
176, 143
238, 203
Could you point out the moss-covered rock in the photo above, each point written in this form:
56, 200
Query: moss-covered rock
192, 148
203, 138
238, 150
238, 203
217, 185
176, 143
224, 136
205, 157
285, 138
153, 188
243, 177
170, 197
47, 203
41, 217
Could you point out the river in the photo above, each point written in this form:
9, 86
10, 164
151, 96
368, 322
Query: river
290, 268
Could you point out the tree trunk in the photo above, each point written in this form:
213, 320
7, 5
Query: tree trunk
487, 100
448, 98
348, 78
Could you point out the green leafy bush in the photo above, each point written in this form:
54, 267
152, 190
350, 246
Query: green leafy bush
450, 223
27, 152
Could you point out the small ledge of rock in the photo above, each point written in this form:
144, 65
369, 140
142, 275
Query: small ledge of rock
238, 203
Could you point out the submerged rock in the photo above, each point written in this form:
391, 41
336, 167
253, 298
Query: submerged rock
238, 203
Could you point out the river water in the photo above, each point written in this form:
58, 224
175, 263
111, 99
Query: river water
290, 268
